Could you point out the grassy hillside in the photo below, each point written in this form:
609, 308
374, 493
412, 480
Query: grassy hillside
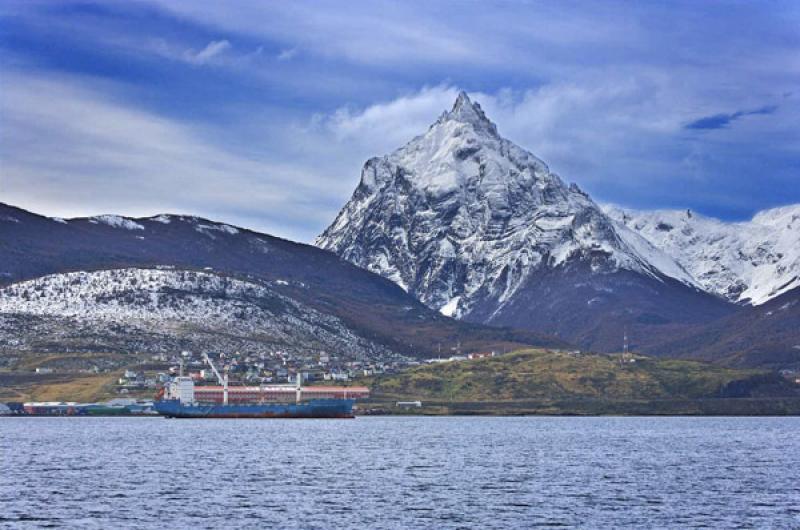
56, 387
70, 380
545, 376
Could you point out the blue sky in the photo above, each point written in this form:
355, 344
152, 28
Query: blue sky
262, 113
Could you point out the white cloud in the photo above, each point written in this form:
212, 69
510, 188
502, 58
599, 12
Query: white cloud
370, 34
287, 54
212, 50
388, 125
573, 127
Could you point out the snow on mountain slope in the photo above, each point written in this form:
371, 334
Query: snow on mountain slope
747, 262
179, 304
370, 306
116, 221
461, 215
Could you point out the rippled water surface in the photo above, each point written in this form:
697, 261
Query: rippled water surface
400, 472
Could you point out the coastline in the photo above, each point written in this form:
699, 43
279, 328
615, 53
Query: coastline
709, 407
789, 406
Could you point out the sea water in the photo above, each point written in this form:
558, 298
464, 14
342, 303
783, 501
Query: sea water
401, 472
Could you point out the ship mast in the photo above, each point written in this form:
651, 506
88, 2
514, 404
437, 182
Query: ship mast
299, 387
222, 380
184, 355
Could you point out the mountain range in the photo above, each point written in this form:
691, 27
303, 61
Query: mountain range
479, 228
747, 262
458, 238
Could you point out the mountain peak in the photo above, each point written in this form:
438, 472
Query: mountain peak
479, 228
461, 101
466, 111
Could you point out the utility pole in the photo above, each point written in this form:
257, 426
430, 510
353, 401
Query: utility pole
625, 344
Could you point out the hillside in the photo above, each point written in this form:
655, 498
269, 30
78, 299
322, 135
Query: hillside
767, 335
163, 311
161, 283
598, 383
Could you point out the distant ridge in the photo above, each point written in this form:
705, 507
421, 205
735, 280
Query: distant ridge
749, 262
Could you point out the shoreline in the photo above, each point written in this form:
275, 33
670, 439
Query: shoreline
713, 407
789, 406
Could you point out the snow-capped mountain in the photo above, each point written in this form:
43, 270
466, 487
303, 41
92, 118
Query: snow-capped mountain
472, 224
747, 262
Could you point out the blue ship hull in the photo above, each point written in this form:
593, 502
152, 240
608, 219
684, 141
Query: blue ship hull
315, 408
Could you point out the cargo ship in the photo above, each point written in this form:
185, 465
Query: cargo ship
182, 398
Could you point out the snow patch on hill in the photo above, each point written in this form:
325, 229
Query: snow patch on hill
179, 303
206, 228
117, 222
